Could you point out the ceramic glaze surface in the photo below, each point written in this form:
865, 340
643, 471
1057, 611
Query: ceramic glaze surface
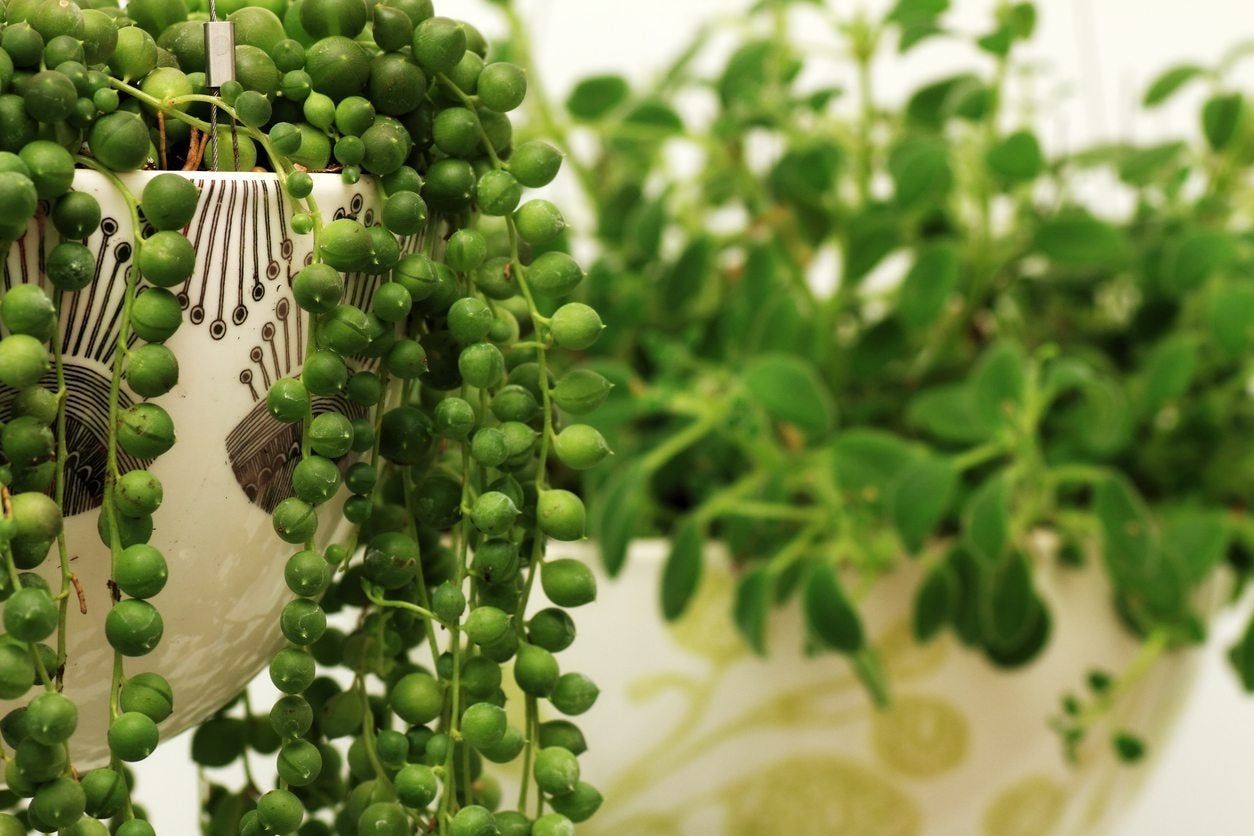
694, 734
231, 463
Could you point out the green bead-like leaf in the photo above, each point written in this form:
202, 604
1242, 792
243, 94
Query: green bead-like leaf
681, 285
831, 619
657, 117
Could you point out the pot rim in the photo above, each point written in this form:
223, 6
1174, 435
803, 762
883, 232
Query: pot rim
222, 175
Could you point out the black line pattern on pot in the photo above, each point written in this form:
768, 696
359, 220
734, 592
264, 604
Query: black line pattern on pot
88, 332
233, 234
263, 452
90, 317
86, 433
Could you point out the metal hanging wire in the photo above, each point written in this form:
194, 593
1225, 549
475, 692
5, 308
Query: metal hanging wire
219, 69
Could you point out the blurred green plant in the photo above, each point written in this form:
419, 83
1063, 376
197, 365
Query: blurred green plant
1004, 375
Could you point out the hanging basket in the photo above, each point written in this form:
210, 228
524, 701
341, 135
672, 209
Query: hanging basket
232, 462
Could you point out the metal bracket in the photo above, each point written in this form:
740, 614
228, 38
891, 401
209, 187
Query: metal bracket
219, 52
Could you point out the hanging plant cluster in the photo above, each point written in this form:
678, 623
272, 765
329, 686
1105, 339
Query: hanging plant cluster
427, 418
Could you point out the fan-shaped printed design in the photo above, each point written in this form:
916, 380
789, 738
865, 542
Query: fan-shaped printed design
86, 434
263, 452
246, 260
88, 335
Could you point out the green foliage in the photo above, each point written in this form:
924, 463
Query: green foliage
427, 412
998, 379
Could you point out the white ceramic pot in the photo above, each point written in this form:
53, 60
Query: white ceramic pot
231, 463
694, 735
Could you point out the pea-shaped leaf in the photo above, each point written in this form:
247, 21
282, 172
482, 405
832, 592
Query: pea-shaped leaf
997, 42
1168, 373
681, 575
966, 612
931, 105
806, 175
596, 97
751, 612
1221, 115
1143, 166
1129, 540
1241, 655
617, 515
681, 285
1170, 82
831, 619
865, 460
1232, 318
921, 172
918, 19
1077, 240
915, 11
929, 285
914, 33
749, 70
1194, 256
659, 118
1039, 623
919, 498
1021, 18
986, 519
1000, 382
869, 237
781, 324
1102, 422
790, 390
1017, 158
1008, 602
950, 413
1197, 540
935, 602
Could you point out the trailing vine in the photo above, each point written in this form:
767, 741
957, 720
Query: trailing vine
428, 420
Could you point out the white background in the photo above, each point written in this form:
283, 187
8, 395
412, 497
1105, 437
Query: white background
1099, 55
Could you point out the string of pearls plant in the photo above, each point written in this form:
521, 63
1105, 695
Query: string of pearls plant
437, 407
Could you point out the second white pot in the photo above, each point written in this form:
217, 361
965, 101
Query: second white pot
693, 734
